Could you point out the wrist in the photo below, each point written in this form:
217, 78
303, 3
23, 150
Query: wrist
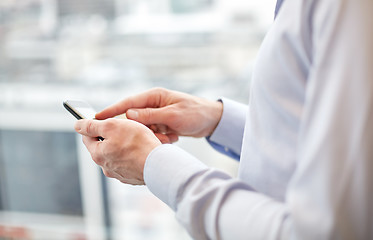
216, 113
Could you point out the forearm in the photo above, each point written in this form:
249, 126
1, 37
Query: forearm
215, 206
210, 204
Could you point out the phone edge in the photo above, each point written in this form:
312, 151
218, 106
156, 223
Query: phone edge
68, 108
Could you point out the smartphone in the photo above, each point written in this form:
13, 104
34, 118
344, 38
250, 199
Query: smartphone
81, 110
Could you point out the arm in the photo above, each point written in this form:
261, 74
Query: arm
331, 191
209, 203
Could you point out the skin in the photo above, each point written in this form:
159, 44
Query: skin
154, 117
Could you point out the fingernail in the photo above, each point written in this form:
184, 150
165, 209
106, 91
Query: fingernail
132, 114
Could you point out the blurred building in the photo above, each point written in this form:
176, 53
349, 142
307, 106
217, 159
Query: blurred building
103, 51
104, 8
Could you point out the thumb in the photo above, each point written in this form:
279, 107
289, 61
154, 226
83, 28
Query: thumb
148, 116
90, 128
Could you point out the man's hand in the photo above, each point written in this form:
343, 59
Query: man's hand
169, 113
123, 152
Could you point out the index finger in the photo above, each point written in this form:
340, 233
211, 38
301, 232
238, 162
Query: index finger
151, 98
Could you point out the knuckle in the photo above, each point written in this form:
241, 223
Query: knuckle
158, 90
108, 125
162, 128
146, 115
108, 173
90, 127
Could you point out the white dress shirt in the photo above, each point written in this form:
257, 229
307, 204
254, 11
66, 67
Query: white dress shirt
306, 155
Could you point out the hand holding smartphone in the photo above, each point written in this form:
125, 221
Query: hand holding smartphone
80, 110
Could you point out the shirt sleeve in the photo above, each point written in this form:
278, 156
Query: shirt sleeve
209, 203
228, 135
330, 194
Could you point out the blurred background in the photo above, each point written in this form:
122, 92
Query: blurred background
103, 51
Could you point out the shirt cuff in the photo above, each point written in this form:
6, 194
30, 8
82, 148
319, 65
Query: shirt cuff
167, 170
229, 132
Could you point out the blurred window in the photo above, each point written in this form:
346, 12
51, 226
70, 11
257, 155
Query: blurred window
39, 172
102, 51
